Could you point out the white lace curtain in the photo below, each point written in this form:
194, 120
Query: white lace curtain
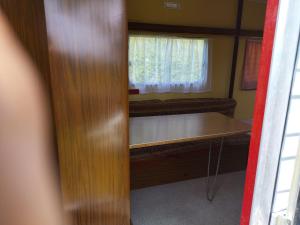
168, 64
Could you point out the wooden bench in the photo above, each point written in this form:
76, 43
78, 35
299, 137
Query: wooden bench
181, 106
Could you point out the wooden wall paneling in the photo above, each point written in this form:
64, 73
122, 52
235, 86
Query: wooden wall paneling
88, 62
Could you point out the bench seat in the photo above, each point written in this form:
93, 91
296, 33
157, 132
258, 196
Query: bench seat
181, 106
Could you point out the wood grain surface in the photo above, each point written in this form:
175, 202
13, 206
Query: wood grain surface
168, 129
164, 164
88, 63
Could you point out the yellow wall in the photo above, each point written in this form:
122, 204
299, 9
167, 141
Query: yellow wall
213, 13
253, 14
192, 12
253, 18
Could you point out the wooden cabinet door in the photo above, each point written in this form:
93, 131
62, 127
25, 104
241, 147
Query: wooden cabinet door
87, 42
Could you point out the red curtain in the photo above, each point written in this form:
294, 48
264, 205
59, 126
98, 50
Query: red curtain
251, 64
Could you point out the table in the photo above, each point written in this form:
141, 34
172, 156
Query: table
168, 129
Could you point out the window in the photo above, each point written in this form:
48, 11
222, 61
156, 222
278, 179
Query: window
251, 64
168, 64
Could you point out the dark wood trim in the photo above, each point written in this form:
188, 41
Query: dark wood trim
233, 66
236, 46
163, 28
251, 33
133, 26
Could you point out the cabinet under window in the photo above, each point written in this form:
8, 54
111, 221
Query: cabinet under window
168, 64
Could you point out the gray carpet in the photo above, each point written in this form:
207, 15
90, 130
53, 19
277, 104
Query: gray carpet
184, 203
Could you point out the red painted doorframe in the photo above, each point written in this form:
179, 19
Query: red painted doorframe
265, 63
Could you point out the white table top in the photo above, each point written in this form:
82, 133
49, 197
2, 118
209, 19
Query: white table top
167, 129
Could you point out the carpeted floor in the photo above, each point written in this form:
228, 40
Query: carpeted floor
184, 203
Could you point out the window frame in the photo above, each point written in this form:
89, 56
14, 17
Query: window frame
183, 36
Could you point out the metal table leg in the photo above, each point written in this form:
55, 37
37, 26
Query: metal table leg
210, 191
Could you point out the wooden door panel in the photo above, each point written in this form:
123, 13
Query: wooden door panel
88, 63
